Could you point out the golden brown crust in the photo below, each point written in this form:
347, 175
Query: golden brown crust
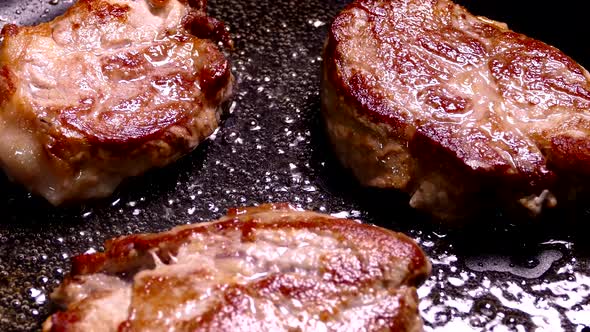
120, 251
130, 119
7, 88
121, 88
486, 101
370, 260
106, 11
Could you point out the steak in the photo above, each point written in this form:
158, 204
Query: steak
106, 91
266, 268
454, 109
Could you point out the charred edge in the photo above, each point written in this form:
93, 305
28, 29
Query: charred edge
10, 30
205, 27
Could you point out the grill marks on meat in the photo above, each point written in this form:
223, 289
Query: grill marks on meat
106, 91
423, 96
266, 268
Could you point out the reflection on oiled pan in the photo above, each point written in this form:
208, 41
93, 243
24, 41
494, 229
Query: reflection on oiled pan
272, 148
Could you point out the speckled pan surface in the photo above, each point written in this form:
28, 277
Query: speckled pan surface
272, 148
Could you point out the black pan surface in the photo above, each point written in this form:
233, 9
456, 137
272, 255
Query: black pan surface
271, 147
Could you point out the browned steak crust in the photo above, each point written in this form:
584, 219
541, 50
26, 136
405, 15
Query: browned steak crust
268, 268
423, 96
108, 90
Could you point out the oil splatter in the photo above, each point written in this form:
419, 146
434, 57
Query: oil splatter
271, 147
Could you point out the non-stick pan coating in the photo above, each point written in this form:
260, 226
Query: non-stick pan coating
272, 148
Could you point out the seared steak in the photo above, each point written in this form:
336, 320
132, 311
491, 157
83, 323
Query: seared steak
455, 109
106, 91
268, 268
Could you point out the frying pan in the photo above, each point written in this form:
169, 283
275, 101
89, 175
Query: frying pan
496, 274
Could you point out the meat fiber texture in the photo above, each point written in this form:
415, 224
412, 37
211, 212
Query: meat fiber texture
106, 91
266, 268
457, 110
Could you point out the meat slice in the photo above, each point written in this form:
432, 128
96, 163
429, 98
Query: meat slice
455, 109
267, 268
106, 91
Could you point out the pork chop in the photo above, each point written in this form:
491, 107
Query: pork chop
106, 91
455, 109
268, 268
